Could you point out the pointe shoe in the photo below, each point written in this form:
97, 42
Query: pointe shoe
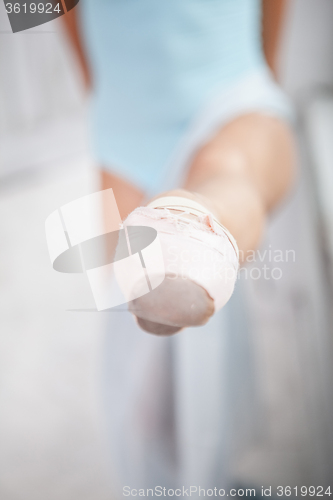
201, 263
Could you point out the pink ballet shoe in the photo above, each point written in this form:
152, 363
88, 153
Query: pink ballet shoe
201, 263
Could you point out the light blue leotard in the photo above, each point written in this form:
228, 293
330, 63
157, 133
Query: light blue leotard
155, 64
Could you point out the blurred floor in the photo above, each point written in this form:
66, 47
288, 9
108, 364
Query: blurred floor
51, 430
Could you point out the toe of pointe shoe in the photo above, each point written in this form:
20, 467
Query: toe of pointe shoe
157, 328
177, 302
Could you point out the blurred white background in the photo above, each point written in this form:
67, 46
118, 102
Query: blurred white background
52, 440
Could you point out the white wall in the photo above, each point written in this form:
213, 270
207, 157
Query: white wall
42, 102
306, 58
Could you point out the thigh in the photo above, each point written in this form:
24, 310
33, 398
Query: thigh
255, 146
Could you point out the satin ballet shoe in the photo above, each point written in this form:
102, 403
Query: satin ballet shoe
201, 263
